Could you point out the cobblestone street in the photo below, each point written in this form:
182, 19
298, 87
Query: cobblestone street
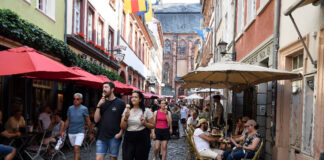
177, 149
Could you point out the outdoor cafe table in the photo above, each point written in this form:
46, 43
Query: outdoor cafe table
20, 142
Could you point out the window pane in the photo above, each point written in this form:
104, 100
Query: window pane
77, 10
301, 61
89, 25
295, 62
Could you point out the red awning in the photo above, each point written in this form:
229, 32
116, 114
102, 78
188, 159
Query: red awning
122, 88
88, 79
182, 96
30, 63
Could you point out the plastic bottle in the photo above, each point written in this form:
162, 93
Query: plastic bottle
59, 142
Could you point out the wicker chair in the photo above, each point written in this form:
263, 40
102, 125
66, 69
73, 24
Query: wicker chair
257, 153
198, 157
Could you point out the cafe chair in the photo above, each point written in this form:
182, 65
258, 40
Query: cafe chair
198, 157
257, 153
34, 151
190, 148
58, 154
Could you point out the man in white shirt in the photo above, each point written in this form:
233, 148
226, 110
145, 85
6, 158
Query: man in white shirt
202, 139
193, 120
44, 119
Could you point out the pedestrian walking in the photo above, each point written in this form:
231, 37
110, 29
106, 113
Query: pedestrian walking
108, 116
137, 121
163, 130
77, 114
184, 113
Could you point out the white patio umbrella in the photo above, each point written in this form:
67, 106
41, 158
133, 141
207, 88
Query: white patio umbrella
193, 97
233, 75
207, 90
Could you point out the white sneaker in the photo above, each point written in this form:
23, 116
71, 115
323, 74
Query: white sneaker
155, 158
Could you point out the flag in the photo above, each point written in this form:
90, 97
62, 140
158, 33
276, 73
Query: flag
201, 34
143, 12
134, 6
208, 29
148, 15
127, 6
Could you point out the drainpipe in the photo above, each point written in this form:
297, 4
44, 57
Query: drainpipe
234, 33
234, 55
275, 65
215, 32
65, 20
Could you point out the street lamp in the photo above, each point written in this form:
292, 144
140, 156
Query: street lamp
222, 47
119, 56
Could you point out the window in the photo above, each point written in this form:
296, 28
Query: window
130, 34
130, 79
47, 7
166, 73
111, 39
136, 43
90, 25
240, 16
139, 84
99, 33
297, 61
77, 16
139, 48
142, 57
167, 46
251, 10
182, 47
122, 31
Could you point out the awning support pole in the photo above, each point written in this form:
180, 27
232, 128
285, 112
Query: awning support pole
303, 42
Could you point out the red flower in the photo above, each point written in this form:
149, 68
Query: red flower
107, 53
81, 34
91, 42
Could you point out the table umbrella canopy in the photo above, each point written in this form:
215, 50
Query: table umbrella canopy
193, 97
233, 75
30, 63
103, 78
88, 79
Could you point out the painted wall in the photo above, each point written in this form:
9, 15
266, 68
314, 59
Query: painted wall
28, 11
257, 32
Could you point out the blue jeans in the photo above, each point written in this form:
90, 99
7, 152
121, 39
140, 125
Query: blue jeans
111, 145
237, 154
5, 150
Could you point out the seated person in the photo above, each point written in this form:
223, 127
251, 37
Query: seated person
56, 126
202, 140
251, 143
7, 152
193, 120
44, 119
15, 122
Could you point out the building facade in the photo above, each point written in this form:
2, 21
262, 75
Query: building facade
300, 128
180, 24
16, 91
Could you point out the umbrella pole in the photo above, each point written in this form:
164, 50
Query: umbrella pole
211, 105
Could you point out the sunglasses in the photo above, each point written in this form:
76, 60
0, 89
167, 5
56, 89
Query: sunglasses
77, 99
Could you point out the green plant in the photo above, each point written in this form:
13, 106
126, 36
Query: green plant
17, 29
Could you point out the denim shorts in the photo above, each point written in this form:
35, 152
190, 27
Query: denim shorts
5, 150
110, 145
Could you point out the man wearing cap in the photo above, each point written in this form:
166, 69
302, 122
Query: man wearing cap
202, 140
251, 143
